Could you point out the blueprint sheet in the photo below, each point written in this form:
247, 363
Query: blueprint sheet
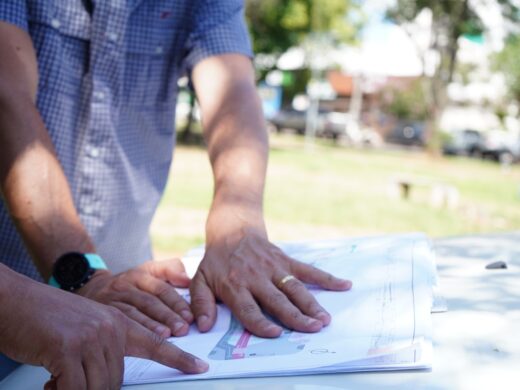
382, 323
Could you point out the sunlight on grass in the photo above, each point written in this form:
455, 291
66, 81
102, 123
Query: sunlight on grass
330, 191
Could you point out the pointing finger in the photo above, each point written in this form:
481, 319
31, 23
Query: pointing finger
148, 345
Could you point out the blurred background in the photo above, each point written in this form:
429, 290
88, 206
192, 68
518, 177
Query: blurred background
384, 116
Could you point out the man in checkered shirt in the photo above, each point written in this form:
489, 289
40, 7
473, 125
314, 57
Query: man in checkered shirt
87, 98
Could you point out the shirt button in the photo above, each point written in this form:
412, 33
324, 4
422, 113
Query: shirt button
159, 50
88, 209
55, 23
94, 152
112, 37
99, 95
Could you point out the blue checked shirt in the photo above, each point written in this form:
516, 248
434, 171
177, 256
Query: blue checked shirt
107, 94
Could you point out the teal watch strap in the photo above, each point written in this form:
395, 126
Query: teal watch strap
53, 282
95, 261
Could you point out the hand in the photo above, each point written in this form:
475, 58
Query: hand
248, 279
80, 342
146, 295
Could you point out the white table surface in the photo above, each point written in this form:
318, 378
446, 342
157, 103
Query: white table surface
476, 343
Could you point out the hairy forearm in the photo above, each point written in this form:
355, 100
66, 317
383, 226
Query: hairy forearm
35, 189
237, 146
32, 182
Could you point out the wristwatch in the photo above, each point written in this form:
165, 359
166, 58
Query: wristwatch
73, 270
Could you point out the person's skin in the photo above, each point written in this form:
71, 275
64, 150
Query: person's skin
241, 267
82, 343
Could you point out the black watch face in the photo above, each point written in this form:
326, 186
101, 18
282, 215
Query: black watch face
71, 269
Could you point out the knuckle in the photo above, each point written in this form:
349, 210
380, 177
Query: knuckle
247, 310
293, 287
277, 298
90, 333
119, 284
162, 290
107, 325
117, 315
158, 343
199, 300
179, 304
295, 314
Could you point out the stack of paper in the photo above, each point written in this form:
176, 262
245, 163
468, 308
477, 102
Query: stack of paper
383, 323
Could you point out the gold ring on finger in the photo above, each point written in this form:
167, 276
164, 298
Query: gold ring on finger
284, 280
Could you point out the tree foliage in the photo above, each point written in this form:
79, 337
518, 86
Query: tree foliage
451, 19
507, 62
276, 25
406, 103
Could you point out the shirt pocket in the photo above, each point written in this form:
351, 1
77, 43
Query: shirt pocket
61, 40
153, 56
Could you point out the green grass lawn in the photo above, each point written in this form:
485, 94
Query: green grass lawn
326, 191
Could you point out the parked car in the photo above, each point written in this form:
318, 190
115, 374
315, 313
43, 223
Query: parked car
464, 143
290, 119
502, 146
407, 133
329, 124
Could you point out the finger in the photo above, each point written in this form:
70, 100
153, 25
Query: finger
51, 384
154, 308
115, 359
246, 310
278, 305
133, 313
298, 294
202, 303
312, 275
166, 293
171, 270
95, 368
72, 376
145, 344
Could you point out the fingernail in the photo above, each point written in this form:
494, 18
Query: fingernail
186, 315
273, 328
202, 365
313, 322
323, 317
178, 326
183, 274
162, 330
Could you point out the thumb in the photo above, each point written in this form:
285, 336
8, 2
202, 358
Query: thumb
140, 342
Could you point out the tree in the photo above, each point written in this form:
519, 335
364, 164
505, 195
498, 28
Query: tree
507, 62
451, 19
406, 103
277, 25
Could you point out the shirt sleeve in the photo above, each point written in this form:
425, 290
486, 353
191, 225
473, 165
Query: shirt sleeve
218, 28
14, 12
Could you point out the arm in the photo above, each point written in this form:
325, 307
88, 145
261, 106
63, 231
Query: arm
241, 267
32, 181
39, 200
80, 342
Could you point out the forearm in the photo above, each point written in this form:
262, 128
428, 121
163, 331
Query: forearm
32, 182
238, 153
35, 189
238, 147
